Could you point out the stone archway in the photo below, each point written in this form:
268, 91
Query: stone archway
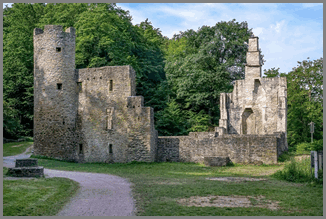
248, 122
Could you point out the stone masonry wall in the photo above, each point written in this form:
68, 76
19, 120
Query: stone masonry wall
239, 148
168, 148
114, 124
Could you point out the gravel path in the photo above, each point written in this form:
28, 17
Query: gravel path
99, 194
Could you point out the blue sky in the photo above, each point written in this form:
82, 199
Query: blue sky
288, 32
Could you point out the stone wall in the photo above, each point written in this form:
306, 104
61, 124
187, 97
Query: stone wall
168, 148
115, 125
239, 148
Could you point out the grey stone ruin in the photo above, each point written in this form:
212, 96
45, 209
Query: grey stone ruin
93, 114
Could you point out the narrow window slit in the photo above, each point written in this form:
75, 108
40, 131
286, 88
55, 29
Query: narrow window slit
111, 85
59, 86
110, 149
58, 49
80, 148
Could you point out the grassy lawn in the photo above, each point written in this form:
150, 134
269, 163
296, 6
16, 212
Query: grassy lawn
14, 148
159, 187
37, 196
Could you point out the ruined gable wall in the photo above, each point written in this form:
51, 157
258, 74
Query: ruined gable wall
55, 107
256, 105
266, 97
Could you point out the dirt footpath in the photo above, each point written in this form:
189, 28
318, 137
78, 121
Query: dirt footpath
99, 194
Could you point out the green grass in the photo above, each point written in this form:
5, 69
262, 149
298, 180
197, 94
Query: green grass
36, 197
14, 148
158, 186
298, 171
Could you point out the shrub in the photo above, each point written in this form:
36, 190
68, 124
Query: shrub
320, 176
295, 171
303, 148
285, 156
317, 145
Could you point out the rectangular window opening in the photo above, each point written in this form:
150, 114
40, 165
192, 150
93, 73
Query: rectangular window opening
79, 87
111, 85
110, 149
59, 86
80, 148
58, 49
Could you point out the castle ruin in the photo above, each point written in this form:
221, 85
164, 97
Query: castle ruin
94, 115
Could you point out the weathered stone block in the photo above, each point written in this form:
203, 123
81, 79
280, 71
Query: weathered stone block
216, 161
26, 171
26, 162
253, 44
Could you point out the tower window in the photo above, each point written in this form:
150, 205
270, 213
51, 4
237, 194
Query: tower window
59, 86
110, 149
111, 85
79, 87
80, 148
58, 49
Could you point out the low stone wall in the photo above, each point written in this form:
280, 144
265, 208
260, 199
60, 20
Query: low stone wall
26, 162
168, 148
26, 168
254, 149
26, 171
216, 161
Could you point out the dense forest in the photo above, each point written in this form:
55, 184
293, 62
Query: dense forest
181, 78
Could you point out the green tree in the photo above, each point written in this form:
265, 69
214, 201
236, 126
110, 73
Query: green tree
305, 101
19, 22
172, 120
202, 64
11, 125
150, 56
273, 72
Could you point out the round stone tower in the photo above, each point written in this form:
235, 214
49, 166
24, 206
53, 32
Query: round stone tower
55, 95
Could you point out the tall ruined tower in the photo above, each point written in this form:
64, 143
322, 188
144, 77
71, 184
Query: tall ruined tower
55, 95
